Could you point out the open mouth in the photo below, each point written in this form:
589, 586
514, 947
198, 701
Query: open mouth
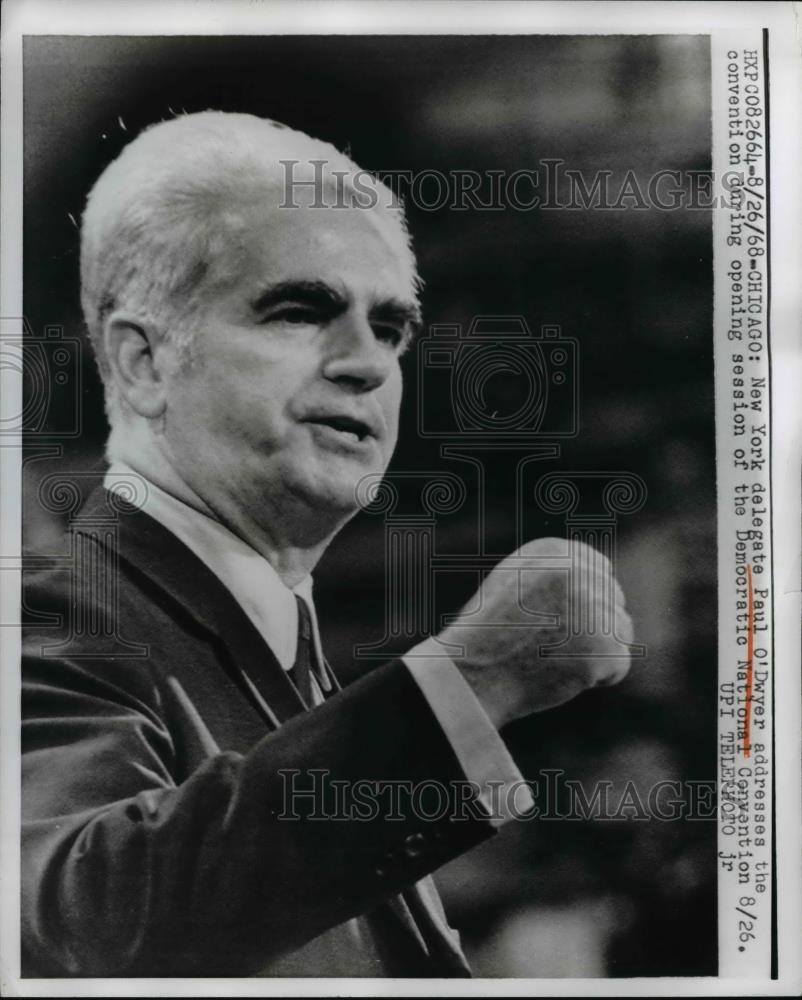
349, 426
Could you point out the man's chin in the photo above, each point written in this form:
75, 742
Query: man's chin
333, 497
339, 480
331, 490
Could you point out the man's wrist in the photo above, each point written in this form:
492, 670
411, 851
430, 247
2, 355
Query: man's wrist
492, 695
489, 694
468, 726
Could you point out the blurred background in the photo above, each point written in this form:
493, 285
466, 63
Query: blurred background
632, 287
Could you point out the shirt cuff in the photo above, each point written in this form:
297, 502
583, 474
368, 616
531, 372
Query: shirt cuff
479, 749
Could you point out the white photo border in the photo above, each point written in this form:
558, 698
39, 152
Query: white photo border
252, 17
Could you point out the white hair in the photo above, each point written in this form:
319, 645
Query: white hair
161, 220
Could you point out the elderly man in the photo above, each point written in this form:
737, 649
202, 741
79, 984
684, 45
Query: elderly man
249, 348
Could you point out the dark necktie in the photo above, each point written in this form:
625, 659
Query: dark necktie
301, 671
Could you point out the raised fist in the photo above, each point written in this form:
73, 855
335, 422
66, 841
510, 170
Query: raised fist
538, 634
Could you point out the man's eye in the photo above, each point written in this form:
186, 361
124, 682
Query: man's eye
389, 334
294, 315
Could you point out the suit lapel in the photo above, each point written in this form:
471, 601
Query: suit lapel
193, 591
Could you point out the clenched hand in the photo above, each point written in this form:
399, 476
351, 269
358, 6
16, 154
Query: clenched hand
518, 612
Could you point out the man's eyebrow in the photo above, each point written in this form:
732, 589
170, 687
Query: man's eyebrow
321, 295
311, 293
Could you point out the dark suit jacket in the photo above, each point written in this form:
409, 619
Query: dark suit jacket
156, 723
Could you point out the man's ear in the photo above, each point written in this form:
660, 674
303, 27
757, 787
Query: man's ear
137, 357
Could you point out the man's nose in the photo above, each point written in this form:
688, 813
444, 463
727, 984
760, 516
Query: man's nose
356, 357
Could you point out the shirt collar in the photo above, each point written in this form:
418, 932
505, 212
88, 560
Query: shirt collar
250, 578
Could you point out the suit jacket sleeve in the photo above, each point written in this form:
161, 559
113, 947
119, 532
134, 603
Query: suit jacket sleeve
131, 866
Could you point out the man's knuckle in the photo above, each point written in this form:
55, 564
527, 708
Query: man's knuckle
548, 546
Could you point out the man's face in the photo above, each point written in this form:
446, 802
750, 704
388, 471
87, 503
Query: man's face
293, 387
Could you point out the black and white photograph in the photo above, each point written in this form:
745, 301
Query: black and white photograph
393, 450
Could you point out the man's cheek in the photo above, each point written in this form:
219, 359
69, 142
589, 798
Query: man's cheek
391, 406
245, 417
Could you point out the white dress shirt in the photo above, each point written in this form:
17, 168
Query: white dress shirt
271, 607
